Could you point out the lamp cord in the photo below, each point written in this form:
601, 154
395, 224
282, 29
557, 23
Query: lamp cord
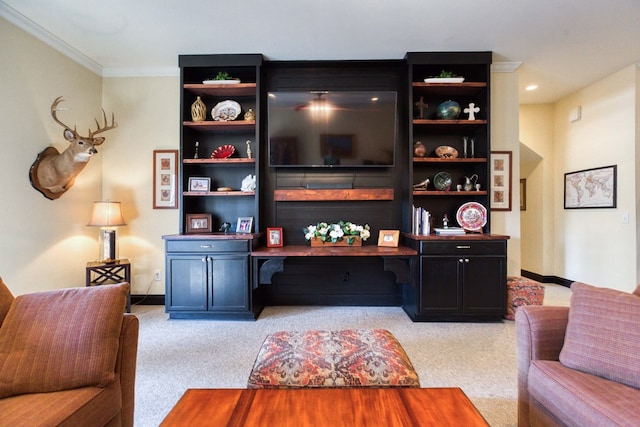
146, 293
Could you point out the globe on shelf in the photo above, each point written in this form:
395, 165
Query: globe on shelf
448, 110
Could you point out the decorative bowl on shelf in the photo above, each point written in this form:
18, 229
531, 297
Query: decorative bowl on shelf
448, 110
444, 80
223, 152
225, 111
446, 152
442, 181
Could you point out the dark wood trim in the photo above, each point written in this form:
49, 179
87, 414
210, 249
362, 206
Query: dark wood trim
546, 279
147, 299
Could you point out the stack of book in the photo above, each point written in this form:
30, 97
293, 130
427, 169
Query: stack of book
420, 221
450, 231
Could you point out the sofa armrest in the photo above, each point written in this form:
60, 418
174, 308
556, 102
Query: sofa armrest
126, 366
539, 336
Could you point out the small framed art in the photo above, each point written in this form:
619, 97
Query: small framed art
198, 223
501, 180
244, 225
165, 179
274, 237
199, 184
389, 238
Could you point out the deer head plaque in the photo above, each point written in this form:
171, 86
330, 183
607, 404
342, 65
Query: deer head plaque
53, 173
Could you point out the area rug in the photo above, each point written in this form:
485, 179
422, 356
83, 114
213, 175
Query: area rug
342, 358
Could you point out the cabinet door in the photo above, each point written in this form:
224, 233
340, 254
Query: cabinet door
484, 290
229, 282
440, 291
186, 286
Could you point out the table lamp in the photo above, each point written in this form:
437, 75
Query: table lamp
107, 215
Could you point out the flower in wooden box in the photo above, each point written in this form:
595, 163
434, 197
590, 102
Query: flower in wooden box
343, 233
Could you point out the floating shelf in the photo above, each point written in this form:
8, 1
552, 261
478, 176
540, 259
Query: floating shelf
295, 195
229, 161
222, 126
448, 193
456, 160
240, 89
218, 193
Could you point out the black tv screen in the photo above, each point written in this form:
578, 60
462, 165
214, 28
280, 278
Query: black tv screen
332, 128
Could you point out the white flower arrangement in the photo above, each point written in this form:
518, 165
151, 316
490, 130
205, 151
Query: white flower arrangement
336, 232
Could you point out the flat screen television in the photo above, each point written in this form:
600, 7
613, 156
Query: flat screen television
332, 129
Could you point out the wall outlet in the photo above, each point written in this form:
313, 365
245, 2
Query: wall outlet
157, 276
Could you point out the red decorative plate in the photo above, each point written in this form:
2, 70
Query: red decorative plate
223, 152
472, 216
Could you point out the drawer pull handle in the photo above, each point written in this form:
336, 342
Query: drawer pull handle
206, 246
463, 247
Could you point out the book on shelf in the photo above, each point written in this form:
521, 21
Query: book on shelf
451, 231
420, 221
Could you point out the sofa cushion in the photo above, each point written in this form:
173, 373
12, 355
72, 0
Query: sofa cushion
581, 399
6, 299
61, 339
602, 335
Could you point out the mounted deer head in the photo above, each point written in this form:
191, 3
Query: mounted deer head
53, 173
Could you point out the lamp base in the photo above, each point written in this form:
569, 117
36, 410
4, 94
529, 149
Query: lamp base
108, 247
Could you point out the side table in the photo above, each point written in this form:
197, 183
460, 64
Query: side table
102, 273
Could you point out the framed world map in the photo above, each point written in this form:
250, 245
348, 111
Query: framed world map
590, 188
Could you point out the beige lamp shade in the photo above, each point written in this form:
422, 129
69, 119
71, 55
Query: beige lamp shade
106, 214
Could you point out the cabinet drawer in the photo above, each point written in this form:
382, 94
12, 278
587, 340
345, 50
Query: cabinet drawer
471, 247
206, 246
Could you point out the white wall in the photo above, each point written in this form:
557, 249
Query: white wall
45, 244
593, 245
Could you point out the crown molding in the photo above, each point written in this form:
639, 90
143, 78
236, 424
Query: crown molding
505, 67
141, 72
46, 37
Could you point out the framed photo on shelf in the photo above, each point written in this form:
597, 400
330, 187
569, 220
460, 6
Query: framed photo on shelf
591, 188
198, 223
244, 225
274, 237
389, 238
199, 184
500, 181
165, 179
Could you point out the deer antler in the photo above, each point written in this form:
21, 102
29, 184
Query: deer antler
54, 110
103, 129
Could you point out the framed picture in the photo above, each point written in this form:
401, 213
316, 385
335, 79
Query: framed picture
165, 179
274, 237
523, 194
591, 188
199, 184
198, 223
389, 238
500, 181
244, 225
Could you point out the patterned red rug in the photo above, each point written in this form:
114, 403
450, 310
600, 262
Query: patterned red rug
346, 358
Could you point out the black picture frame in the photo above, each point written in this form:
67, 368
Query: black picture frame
594, 188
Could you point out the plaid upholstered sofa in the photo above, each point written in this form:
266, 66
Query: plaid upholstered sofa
67, 357
580, 365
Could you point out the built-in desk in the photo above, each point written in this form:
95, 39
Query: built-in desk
268, 261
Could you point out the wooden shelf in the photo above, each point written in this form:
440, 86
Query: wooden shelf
443, 160
234, 125
295, 195
442, 122
218, 193
448, 193
240, 89
227, 161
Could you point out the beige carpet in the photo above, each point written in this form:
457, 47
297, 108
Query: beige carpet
175, 355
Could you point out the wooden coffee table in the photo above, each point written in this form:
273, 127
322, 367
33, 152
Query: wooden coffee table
389, 407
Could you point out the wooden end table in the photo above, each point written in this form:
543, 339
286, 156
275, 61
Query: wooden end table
109, 273
331, 407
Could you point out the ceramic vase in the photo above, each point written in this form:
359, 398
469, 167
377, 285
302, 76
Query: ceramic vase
198, 110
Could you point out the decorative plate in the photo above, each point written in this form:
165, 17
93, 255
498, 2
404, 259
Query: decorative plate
221, 82
225, 111
442, 181
223, 152
446, 152
444, 80
472, 216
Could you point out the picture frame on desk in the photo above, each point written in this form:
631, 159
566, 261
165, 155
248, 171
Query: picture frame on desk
274, 237
245, 224
165, 179
389, 238
198, 223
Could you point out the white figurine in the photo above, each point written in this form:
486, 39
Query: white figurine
472, 110
248, 183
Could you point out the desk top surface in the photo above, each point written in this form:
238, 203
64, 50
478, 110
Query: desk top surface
303, 250
318, 407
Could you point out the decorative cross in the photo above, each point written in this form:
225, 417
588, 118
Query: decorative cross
422, 107
471, 110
